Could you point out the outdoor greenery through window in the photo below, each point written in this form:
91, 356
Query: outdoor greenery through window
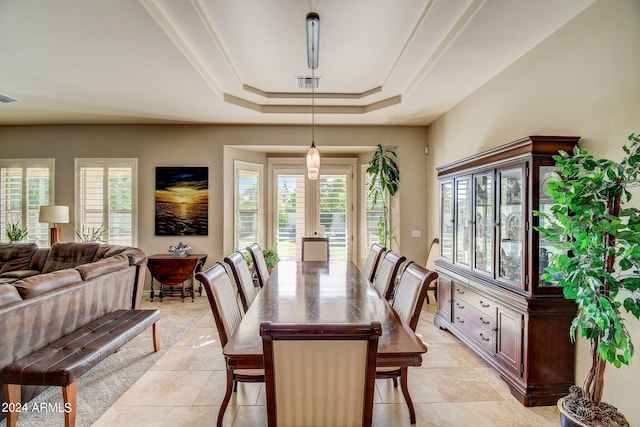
291, 215
25, 185
248, 223
106, 198
333, 214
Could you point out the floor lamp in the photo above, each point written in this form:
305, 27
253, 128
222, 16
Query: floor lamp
54, 215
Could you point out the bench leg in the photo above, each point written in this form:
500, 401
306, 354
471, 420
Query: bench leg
70, 397
12, 396
156, 337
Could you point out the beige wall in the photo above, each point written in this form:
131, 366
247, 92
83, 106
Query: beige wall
215, 146
584, 80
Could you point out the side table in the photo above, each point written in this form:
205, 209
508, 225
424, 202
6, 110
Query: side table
170, 272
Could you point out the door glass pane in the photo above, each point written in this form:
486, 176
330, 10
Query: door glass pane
511, 225
483, 185
546, 174
333, 214
463, 221
446, 221
291, 215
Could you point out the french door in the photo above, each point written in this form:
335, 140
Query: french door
302, 207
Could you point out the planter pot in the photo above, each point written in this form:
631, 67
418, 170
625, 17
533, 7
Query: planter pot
567, 420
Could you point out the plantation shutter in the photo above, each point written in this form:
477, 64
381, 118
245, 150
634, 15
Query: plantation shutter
248, 221
106, 198
290, 223
333, 214
25, 185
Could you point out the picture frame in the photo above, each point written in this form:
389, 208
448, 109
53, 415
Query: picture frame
182, 201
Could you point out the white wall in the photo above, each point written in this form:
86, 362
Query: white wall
584, 80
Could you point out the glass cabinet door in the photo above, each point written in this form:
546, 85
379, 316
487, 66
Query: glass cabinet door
483, 230
546, 174
446, 220
463, 221
511, 226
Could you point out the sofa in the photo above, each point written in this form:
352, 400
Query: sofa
47, 293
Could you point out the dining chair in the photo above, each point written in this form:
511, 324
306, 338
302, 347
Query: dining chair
407, 302
320, 374
315, 249
227, 316
242, 276
373, 259
432, 256
260, 264
385, 277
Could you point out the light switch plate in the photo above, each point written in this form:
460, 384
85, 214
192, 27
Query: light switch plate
416, 233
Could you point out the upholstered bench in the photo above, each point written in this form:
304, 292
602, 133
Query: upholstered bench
63, 361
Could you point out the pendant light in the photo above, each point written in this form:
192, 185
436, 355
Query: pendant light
313, 34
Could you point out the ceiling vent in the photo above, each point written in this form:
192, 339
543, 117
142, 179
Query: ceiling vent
4, 99
308, 82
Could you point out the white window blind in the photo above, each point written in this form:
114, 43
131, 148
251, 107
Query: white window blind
25, 185
106, 197
333, 214
290, 223
248, 202
373, 215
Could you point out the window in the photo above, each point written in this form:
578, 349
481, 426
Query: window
25, 185
248, 204
106, 197
302, 207
373, 215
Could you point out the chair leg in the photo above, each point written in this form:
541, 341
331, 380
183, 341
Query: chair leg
427, 295
70, 397
395, 382
12, 396
156, 337
407, 397
227, 397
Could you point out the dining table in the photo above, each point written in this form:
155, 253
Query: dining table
322, 292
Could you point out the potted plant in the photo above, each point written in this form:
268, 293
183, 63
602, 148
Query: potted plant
91, 234
384, 176
598, 265
15, 232
271, 258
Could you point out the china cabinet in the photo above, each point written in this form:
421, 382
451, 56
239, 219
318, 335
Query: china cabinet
489, 287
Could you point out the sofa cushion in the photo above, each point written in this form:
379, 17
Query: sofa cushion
8, 295
16, 256
19, 274
36, 285
69, 255
104, 266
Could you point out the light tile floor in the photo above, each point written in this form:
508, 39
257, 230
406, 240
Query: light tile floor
454, 387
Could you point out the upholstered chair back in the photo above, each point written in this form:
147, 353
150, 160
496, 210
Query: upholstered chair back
242, 276
260, 264
315, 249
411, 291
222, 299
320, 375
373, 259
385, 278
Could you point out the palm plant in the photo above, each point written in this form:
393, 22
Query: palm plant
384, 176
598, 265
15, 232
91, 234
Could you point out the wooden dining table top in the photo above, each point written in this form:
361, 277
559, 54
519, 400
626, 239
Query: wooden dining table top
322, 292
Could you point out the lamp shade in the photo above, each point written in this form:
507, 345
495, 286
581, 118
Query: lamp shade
54, 214
313, 162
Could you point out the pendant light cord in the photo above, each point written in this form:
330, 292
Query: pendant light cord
313, 107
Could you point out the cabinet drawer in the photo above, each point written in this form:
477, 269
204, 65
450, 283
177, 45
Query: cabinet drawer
473, 298
477, 333
482, 319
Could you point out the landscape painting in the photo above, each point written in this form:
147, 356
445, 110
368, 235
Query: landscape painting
182, 201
